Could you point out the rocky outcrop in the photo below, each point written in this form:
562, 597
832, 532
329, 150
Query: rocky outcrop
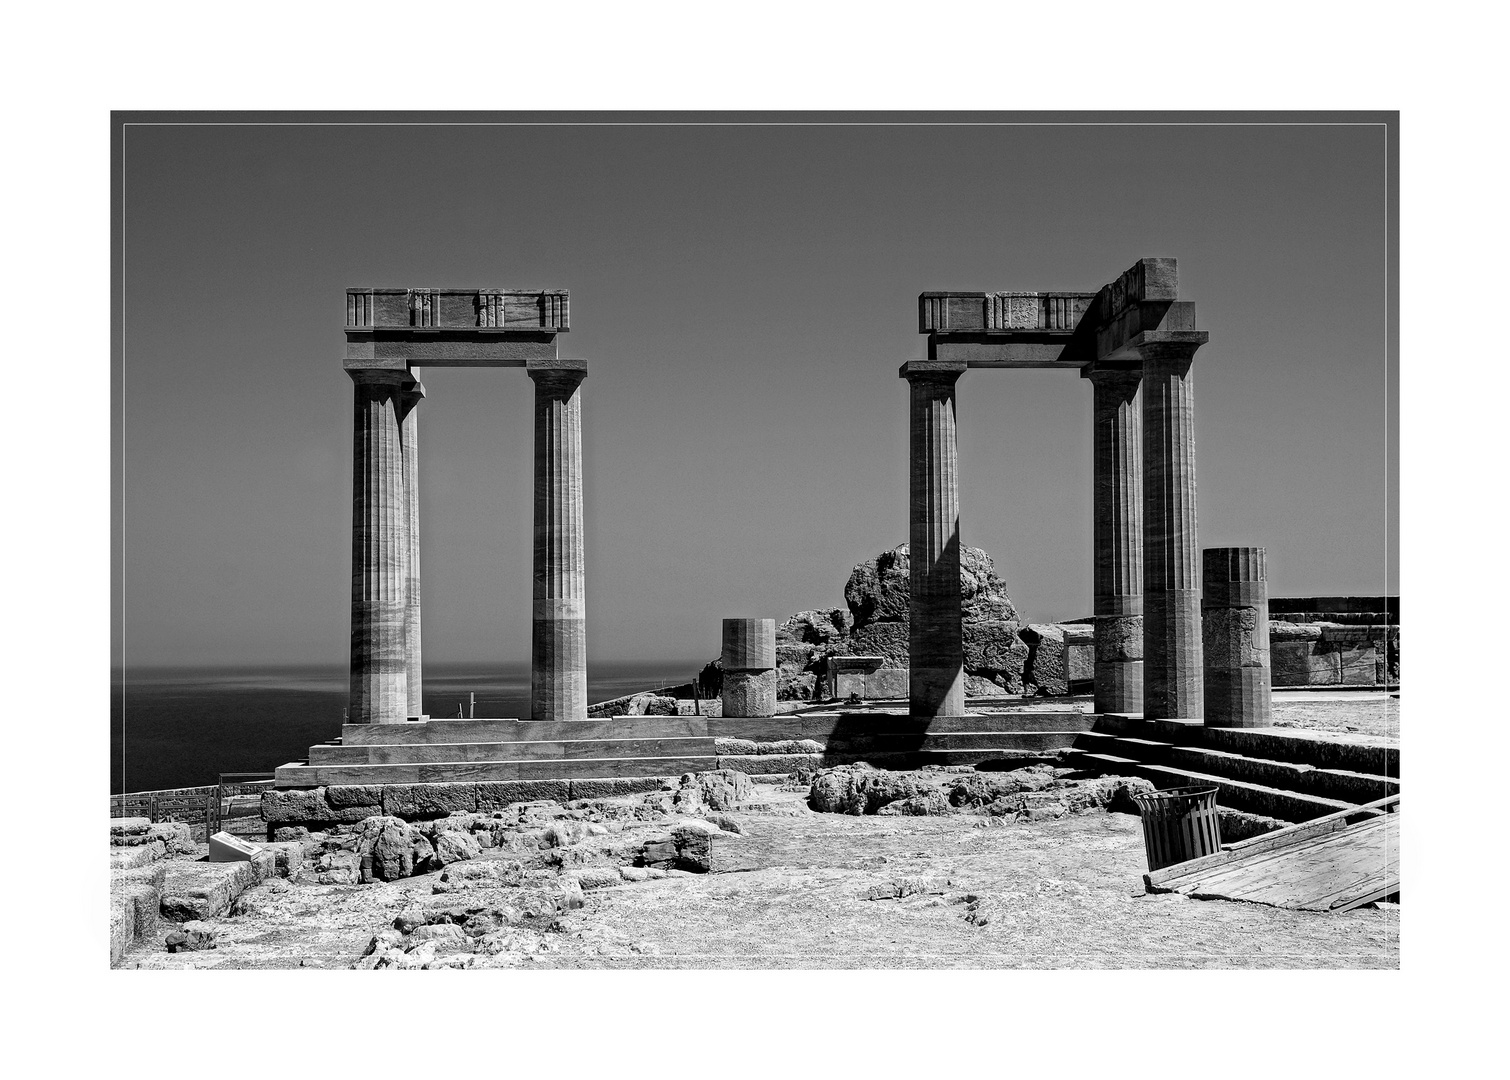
1032, 793
877, 594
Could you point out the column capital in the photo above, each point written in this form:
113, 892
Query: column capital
377, 376
1113, 371
557, 373
413, 391
1171, 345
943, 371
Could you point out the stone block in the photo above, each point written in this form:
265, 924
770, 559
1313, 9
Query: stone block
346, 796
127, 858
1303, 663
1044, 670
766, 764
195, 890
1079, 662
410, 801
125, 831
611, 787
121, 926
288, 856
749, 693
886, 682
176, 836
1358, 664
497, 794
144, 901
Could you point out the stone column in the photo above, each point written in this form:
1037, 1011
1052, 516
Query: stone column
412, 394
1171, 591
935, 650
749, 665
1117, 572
1235, 637
558, 656
379, 553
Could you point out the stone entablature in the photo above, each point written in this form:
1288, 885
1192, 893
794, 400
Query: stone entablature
457, 309
387, 330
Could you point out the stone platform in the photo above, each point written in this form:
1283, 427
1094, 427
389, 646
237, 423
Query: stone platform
489, 751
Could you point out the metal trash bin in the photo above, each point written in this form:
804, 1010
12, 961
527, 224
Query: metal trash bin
1179, 824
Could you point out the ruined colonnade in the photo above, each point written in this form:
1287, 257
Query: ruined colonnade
1135, 342
390, 334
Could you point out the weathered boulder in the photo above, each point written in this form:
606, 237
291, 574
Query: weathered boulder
453, 846
719, 789
191, 937
390, 849
862, 789
650, 705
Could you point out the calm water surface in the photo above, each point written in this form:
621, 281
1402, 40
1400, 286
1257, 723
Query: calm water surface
179, 727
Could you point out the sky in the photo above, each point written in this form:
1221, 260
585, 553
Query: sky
744, 296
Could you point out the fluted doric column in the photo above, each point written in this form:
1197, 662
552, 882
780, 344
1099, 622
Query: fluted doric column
413, 393
558, 656
935, 649
1118, 537
1171, 554
1235, 637
379, 553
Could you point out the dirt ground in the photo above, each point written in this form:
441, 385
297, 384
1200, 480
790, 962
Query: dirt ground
790, 893
1358, 713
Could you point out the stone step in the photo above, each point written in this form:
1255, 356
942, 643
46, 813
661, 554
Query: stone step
417, 753
1371, 758
1340, 784
1015, 741
766, 729
1351, 787
440, 772
1233, 794
849, 746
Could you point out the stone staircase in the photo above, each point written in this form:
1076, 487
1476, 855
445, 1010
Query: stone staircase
469, 751
1292, 776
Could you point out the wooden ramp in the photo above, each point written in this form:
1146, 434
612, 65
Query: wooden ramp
1330, 864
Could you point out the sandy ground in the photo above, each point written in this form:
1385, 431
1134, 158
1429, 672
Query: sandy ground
1356, 713
789, 893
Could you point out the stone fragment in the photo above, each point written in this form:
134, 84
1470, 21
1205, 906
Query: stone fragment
176, 837
123, 829
193, 936
898, 888
452, 846
391, 849
440, 934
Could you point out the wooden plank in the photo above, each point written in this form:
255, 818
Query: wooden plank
1331, 871
1266, 841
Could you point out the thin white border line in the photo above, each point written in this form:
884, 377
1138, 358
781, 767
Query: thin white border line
752, 123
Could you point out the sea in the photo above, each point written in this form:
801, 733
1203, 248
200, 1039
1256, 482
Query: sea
183, 727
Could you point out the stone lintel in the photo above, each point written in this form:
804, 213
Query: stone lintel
945, 370
447, 348
480, 309
1038, 349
